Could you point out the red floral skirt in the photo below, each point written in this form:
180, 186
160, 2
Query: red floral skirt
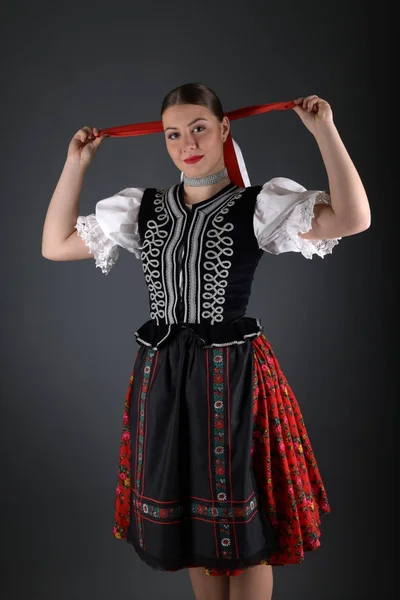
293, 495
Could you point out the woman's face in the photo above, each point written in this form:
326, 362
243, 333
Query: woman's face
195, 139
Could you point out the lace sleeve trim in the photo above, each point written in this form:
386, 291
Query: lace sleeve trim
104, 250
300, 222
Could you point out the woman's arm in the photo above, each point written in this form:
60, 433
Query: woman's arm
349, 212
60, 240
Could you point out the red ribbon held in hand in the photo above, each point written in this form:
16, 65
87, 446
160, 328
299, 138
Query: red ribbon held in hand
233, 157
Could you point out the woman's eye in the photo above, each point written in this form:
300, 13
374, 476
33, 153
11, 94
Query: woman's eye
198, 129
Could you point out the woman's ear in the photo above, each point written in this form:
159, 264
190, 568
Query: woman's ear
226, 127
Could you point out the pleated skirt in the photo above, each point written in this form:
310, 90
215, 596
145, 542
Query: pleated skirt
216, 468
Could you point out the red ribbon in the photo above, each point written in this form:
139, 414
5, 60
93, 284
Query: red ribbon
231, 162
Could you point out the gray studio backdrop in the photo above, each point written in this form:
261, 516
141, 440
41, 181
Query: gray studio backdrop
67, 330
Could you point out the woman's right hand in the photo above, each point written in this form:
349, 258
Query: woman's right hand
84, 145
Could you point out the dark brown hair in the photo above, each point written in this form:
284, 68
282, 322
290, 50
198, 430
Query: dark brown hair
194, 93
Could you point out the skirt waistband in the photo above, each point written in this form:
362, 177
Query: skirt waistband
220, 334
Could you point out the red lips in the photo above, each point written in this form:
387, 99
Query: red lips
192, 160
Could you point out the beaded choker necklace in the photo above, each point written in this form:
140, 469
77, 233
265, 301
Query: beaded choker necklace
207, 180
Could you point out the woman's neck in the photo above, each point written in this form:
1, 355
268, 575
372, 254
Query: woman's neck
192, 195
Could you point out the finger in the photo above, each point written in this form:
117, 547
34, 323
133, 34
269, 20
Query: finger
298, 100
313, 105
307, 100
83, 133
90, 135
98, 140
89, 130
96, 133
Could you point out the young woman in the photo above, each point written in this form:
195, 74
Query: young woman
216, 473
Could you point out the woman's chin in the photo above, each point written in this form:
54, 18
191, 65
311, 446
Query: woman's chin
198, 170
191, 171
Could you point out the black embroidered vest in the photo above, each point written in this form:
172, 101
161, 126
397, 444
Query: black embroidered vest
198, 262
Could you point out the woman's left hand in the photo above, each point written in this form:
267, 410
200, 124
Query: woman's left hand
314, 112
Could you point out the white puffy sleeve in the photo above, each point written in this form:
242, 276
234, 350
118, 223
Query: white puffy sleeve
114, 225
284, 209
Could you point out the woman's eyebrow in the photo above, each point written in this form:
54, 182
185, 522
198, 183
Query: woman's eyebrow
189, 124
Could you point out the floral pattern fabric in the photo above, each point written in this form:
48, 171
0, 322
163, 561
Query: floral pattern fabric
292, 493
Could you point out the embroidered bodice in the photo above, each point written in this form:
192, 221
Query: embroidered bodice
199, 261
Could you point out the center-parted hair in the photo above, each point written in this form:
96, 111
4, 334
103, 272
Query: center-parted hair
194, 93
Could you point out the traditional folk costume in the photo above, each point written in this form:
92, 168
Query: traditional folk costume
216, 468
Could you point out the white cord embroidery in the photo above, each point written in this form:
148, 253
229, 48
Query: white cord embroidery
220, 245
154, 240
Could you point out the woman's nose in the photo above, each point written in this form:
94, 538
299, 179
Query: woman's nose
190, 142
